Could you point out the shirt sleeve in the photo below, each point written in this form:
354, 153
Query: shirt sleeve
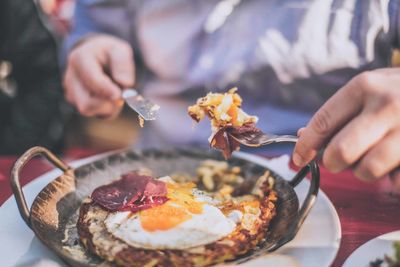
81, 26
98, 16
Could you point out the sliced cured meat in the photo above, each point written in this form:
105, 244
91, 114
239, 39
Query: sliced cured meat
145, 204
155, 188
224, 141
132, 192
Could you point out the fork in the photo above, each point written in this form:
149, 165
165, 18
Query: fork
259, 138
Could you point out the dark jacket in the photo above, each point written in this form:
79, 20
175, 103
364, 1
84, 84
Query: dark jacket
36, 113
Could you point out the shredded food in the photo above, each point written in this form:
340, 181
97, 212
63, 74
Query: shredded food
227, 119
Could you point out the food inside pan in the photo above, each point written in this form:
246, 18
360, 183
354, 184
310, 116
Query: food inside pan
177, 220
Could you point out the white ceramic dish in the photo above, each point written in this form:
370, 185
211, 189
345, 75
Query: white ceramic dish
316, 244
373, 249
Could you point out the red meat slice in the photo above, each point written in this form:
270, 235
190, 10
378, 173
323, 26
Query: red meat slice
224, 141
145, 204
132, 192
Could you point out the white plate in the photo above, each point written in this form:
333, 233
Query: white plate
316, 244
373, 249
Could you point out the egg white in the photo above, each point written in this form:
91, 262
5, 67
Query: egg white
201, 229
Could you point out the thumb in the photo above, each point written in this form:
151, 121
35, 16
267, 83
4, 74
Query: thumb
300, 131
121, 64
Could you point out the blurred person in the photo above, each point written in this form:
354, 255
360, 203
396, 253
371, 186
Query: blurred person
290, 59
31, 95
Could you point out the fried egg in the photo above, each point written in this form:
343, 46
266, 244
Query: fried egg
188, 219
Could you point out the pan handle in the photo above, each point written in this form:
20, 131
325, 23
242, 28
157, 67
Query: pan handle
16, 170
307, 204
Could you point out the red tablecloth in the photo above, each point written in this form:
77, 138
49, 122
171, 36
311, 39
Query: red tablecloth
365, 210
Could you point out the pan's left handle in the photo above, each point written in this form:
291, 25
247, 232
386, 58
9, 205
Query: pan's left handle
16, 170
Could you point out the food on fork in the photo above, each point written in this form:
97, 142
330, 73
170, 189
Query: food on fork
227, 119
141, 121
141, 221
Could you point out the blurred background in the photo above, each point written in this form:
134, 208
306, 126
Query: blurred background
92, 133
73, 130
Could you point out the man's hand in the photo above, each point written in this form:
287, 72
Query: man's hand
360, 127
98, 68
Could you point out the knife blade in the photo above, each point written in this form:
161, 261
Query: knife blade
144, 107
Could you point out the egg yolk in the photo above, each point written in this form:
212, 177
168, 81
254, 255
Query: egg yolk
179, 208
233, 112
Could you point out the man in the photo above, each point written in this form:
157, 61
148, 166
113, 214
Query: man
32, 110
288, 59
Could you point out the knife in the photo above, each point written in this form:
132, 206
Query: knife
146, 109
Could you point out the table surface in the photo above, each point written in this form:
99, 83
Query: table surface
366, 210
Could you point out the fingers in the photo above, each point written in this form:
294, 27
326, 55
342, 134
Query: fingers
86, 103
300, 131
97, 70
336, 112
121, 66
94, 106
355, 139
92, 76
381, 159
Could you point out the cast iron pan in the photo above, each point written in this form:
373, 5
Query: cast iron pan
53, 214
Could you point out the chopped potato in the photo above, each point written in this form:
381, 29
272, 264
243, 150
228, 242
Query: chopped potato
222, 109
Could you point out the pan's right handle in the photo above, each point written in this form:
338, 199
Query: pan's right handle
308, 202
16, 170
